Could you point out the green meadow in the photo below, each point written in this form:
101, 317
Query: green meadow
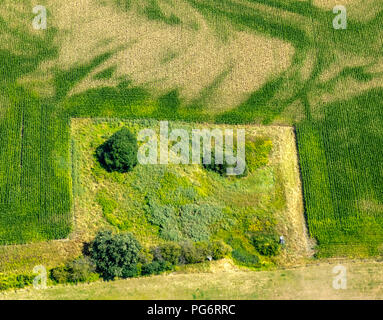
188, 202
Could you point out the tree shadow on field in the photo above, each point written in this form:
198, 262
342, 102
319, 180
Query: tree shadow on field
257, 106
107, 101
36, 49
66, 80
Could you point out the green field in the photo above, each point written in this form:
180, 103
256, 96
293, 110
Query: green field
329, 85
35, 192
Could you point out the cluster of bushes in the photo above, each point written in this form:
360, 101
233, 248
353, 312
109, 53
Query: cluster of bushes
113, 256
248, 249
80, 270
122, 256
245, 257
158, 259
243, 251
9, 281
196, 252
168, 255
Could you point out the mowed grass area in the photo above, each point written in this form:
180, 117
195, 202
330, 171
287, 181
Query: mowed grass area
221, 281
160, 203
175, 60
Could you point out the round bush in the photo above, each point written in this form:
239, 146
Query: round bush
266, 245
222, 168
216, 167
60, 274
145, 256
119, 153
115, 255
156, 267
79, 270
82, 270
169, 252
218, 249
194, 252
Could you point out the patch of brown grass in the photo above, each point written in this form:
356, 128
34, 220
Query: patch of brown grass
360, 10
89, 29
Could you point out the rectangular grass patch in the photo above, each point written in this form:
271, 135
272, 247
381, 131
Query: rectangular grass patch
187, 202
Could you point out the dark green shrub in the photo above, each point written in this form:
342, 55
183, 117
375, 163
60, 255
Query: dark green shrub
145, 256
202, 249
243, 251
115, 255
80, 270
266, 245
156, 267
119, 153
256, 153
216, 167
193, 252
60, 274
218, 249
222, 169
168, 252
